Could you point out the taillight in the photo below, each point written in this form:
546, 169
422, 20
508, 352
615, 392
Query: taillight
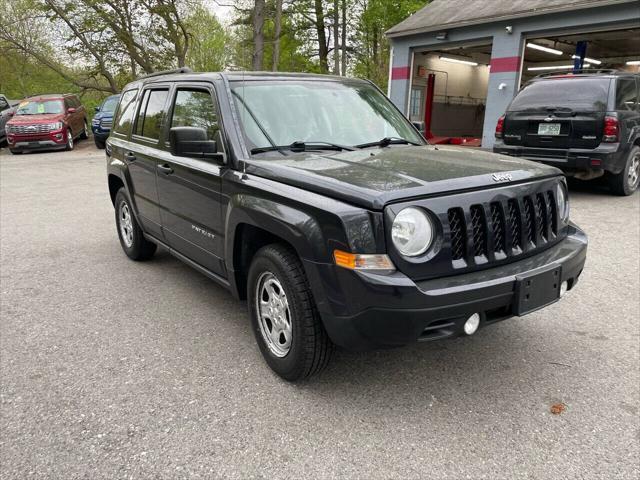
611, 129
500, 127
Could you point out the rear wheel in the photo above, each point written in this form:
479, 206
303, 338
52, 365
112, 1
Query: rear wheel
85, 131
69, 146
286, 323
131, 237
626, 182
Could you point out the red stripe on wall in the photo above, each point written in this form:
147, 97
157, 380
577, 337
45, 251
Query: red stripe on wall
400, 73
505, 64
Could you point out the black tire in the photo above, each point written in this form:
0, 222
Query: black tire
15, 152
70, 143
621, 183
99, 143
135, 246
310, 347
85, 131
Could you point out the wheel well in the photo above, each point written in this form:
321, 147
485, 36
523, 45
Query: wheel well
248, 240
115, 184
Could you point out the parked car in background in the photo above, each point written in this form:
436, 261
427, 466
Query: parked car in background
47, 122
7, 109
103, 119
587, 124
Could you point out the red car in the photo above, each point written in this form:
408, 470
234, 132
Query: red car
47, 122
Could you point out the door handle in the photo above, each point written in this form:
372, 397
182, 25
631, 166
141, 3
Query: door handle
166, 169
130, 156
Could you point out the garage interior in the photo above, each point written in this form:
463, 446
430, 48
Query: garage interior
449, 85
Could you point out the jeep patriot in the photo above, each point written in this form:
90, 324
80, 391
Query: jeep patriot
313, 198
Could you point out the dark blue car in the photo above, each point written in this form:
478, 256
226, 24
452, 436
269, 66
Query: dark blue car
103, 120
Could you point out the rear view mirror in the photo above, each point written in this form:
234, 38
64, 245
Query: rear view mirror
192, 142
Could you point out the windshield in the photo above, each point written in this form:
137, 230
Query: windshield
40, 107
574, 93
284, 112
109, 104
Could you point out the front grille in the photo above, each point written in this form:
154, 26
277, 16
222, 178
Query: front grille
502, 228
106, 122
28, 129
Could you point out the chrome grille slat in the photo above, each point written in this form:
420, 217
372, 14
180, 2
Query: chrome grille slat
29, 129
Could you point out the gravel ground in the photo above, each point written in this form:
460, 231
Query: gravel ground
116, 369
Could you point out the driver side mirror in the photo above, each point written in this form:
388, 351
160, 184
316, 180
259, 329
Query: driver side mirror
97, 109
192, 142
71, 110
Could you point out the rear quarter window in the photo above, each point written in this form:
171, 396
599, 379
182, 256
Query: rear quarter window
587, 94
126, 111
626, 94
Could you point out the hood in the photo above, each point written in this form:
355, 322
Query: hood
373, 178
101, 115
34, 119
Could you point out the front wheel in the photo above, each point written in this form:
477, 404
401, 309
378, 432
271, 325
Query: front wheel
131, 237
286, 322
85, 131
99, 143
69, 146
15, 151
626, 182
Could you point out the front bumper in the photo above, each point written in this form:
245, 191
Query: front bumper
44, 141
392, 310
100, 133
607, 156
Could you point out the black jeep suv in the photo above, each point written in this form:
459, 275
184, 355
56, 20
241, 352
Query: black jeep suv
587, 124
317, 201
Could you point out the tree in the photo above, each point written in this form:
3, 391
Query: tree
208, 41
258, 35
276, 35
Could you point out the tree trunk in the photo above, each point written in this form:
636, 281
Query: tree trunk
323, 50
277, 32
336, 33
258, 35
344, 39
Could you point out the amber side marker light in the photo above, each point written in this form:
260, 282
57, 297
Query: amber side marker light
358, 261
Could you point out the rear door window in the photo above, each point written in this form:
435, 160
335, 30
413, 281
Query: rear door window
126, 111
626, 94
586, 94
151, 113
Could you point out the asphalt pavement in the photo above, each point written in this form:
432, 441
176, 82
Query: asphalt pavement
115, 369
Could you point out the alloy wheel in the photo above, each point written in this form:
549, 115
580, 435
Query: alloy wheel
274, 315
633, 175
126, 224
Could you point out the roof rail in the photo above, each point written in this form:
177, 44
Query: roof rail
580, 71
166, 72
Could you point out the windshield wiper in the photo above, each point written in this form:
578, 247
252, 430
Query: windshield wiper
386, 141
300, 146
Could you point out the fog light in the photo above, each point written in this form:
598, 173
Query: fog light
472, 324
564, 286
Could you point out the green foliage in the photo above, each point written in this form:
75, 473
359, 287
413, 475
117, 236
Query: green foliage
208, 50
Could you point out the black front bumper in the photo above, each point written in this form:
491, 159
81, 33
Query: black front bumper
607, 156
392, 310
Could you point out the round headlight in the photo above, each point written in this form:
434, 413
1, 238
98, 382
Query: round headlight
563, 203
412, 232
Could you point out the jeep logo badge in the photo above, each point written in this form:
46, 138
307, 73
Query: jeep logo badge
502, 177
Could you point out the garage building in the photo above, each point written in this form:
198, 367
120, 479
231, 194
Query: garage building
456, 64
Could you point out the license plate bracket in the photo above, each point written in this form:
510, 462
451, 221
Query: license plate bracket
537, 290
550, 129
